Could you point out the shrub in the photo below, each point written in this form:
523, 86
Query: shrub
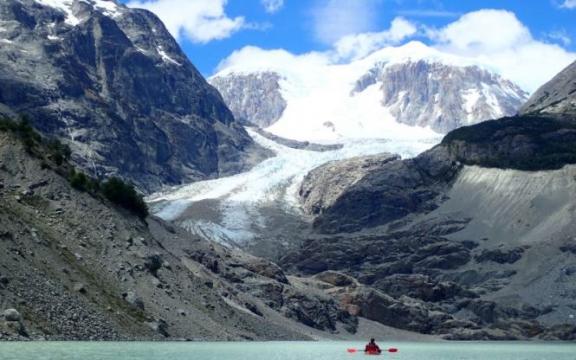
78, 180
58, 152
123, 194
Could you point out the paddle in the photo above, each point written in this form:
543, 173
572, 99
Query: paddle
392, 350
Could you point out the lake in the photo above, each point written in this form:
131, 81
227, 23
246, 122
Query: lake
283, 351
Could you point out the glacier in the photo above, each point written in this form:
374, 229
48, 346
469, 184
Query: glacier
235, 210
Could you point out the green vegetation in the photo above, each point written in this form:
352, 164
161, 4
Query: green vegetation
125, 195
23, 130
83, 182
522, 142
53, 153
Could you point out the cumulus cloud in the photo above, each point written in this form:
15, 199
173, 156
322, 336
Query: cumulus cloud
483, 31
334, 19
252, 58
429, 13
569, 4
200, 21
359, 45
560, 36
497, 38
272, 6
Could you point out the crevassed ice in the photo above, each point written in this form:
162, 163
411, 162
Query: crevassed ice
275, 181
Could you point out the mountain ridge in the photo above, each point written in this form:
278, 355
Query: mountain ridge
411, 84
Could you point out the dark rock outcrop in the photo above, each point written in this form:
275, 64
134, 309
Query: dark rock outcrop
375, 191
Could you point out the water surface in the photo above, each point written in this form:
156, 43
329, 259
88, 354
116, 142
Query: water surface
283, 351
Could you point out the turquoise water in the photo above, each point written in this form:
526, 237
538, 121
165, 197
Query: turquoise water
283, 351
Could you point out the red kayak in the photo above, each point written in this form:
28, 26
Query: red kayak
391, 350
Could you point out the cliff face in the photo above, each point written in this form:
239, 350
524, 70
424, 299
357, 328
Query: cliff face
443, 97
253, 98
114, 84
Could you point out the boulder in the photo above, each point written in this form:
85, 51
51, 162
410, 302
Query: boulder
12, 315
500, 256
335, 278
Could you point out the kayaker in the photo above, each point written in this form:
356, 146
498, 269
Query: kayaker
372, 348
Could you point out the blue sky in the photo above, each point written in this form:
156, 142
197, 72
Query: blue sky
210, 30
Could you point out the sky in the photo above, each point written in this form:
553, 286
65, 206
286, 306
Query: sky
525, 40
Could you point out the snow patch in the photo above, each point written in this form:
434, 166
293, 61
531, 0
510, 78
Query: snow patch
470, 98
165, 57
107, 7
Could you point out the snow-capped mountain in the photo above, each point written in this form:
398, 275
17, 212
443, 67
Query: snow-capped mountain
376, 96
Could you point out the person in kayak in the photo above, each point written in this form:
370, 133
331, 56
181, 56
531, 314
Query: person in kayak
372, 348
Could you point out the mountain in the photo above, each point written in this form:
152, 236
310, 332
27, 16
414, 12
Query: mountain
372, 97
113, 84
476, 231
557, 96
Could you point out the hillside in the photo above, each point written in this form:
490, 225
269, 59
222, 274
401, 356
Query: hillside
75, 266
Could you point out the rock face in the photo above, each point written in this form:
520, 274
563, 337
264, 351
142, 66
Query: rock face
441, 96
341, 175
558, 96
112, 83
253, 98
350, 195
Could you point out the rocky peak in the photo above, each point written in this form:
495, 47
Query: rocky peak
112, 83
442, 96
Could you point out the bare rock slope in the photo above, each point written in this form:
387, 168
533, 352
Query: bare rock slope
73, 266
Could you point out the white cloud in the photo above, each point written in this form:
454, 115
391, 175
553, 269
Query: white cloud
497, 38
359, 45
429, 13
569, 4
200, 21
272, 6
334, 19
484, 31
251, 58
560, 36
